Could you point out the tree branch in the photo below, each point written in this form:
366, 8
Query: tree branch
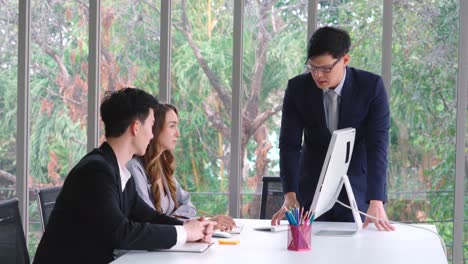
55, 56
152, 6
63, 97
263, 39
217, 120
214, 80
206, 146
260, 119
7, 179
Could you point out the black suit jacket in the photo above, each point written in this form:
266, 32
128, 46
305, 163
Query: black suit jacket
304, 137
92, 216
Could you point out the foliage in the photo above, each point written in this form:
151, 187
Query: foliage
422, 96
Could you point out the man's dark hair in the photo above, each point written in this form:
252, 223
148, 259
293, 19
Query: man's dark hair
120, 108
329, 40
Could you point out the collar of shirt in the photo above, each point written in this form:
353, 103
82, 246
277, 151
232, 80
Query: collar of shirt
340, 85
124, 176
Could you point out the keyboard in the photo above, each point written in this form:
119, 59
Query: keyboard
236, 229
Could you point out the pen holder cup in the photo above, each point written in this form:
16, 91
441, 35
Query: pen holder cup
299, 237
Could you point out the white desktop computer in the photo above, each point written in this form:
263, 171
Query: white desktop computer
332, 179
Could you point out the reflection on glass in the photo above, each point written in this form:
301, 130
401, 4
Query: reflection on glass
58, 84
201, 89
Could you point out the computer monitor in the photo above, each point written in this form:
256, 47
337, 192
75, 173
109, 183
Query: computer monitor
333, 177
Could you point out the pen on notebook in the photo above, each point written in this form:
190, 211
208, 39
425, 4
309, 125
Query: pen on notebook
205, 214
181, 217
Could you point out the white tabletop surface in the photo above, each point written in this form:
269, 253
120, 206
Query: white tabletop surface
405, 245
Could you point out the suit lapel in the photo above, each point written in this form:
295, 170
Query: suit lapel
314, 96
346, 101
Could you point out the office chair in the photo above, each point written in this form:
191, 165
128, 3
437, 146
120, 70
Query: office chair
46, 199
13, 247
272, 196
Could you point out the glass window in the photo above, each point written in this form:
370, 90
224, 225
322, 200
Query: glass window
8, 100
129, 46
201, 89
275, 43
423, 115
58, 100
363, 21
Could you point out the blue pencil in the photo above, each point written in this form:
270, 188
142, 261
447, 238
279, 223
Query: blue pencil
291, 220
288, 217
312, 218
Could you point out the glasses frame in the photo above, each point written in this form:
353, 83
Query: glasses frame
323, 69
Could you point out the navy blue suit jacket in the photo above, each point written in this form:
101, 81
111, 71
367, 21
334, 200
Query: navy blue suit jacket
304, 138
93, 216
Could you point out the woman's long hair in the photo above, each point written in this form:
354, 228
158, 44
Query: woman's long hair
160, 163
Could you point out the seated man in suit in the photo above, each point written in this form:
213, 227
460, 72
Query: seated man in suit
98, 209
327, 97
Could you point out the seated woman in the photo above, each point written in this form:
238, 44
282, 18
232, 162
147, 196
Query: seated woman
154, 172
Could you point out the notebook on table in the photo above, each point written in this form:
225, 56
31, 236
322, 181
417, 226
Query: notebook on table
276, 228
195, 247
236, 229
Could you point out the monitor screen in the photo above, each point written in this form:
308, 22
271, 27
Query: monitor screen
333, 175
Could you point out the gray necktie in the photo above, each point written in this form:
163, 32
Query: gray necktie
332, 110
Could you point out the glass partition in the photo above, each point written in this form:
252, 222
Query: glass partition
58, 97
201, 89
275, 48
423, 115
130, 35
8, 100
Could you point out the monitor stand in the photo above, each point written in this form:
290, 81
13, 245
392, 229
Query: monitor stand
354, 209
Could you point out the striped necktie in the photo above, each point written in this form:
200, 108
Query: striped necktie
332, 110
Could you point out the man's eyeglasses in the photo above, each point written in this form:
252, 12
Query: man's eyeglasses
323, 69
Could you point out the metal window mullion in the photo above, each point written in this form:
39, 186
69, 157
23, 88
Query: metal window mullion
93, 73
165, 52
462, 87
22, 119
312, 16
387, 45
236, 122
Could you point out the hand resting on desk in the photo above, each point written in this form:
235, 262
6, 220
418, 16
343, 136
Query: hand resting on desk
290, 201
199, 230
224, 222
377, 210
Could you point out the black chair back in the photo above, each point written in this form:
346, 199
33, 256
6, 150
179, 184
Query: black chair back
13, 248
46, 199
272, 196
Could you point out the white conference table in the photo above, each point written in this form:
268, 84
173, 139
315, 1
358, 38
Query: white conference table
405, 245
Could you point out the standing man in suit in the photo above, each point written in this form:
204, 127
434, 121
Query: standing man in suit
332, 96
98, 209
